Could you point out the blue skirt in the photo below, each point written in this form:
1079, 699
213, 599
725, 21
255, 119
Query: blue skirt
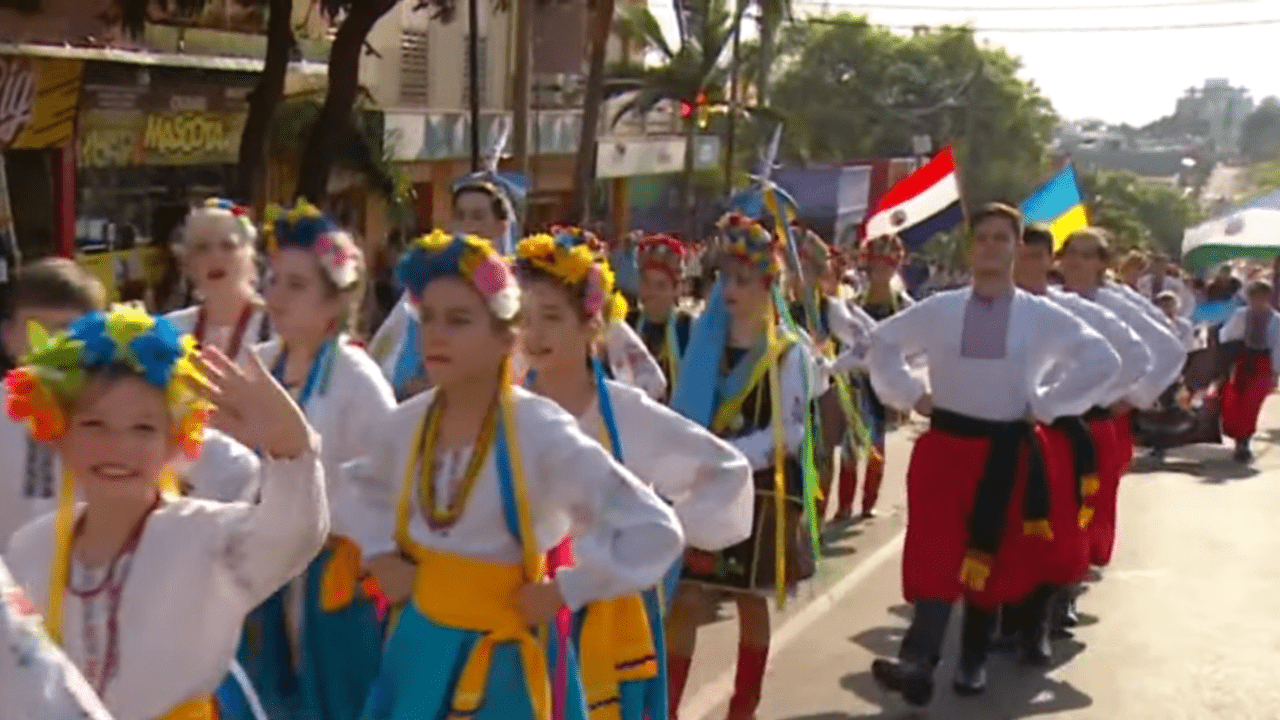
341, 652
424, 659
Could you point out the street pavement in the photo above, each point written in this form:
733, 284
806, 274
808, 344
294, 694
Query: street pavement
1182, 626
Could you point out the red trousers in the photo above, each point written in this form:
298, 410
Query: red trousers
1244, 393
1067, 559
942, 480
1113, 459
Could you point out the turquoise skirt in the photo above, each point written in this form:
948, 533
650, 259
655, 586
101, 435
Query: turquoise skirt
424, 659
341, 652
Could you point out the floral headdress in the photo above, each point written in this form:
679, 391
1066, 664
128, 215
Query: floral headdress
246, 233
54, 372
442, 254
306, 227
746, 240
575, 257
664, 253
885, 248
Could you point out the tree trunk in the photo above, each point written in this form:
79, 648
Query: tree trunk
521, 102
250, 173
585, 170
767, 29
333, 124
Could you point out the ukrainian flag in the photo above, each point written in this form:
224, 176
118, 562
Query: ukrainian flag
1058, 204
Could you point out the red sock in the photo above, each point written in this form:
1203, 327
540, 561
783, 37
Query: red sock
748, 682
677, 676
871, 483
848, 486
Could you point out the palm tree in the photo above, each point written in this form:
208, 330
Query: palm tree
693, 75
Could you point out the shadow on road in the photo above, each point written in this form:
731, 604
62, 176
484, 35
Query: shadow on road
1212, 464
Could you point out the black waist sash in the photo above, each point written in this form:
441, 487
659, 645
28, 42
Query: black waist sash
1097, 412
995, 487
1084, 457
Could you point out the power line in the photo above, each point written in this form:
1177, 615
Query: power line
1099, 29
1042, 8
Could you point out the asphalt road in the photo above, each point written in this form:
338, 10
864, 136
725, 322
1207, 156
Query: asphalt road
1182, 626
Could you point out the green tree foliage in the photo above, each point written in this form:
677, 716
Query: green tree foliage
1139, 213
1260, 135
853, 90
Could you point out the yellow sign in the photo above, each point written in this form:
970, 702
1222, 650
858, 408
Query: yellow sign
192, 137
118, 138
38, 99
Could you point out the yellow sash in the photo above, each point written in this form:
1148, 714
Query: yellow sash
479, 598
198, 709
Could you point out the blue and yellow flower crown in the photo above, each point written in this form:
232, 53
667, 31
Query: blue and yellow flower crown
575, 257
746, 240
307, 227
442, 254
53, 374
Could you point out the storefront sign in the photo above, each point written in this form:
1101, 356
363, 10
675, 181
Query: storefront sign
633, 156
447, 135
38, 101
161, 124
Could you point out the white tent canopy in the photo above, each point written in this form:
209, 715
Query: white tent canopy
1247, 233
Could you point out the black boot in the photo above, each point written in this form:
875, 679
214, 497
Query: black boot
1006, 637
1033, 634
975, 643
912, 681
911, 675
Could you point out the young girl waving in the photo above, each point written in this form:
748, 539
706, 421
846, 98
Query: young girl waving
144, 590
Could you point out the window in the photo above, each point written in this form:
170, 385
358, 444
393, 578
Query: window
415, 69
482, 50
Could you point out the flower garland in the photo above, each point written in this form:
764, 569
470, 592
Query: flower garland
663, 253
307, 227
441, 254
53, 374
575, 257
215, 207
746, 240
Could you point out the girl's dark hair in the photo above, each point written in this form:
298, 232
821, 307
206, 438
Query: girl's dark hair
497, 204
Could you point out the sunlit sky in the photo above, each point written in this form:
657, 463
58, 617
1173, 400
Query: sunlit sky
1120, 76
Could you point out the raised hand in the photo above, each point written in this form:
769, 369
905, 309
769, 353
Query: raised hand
250, 406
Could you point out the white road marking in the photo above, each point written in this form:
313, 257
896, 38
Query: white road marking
717, 691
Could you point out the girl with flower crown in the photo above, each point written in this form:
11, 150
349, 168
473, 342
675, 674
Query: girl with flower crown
477, 479
569, 296
217, 246
745, 378
144, 590
312, 651
659, 320
623, 354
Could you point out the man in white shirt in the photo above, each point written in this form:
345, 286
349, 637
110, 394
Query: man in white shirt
989, 348
1256, 368
1158, 280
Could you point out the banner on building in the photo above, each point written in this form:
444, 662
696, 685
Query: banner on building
38, 98
164, 122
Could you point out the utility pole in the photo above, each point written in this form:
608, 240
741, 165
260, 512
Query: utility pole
473, 53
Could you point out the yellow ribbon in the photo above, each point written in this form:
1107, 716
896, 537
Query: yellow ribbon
779, 465
616, 642
198, 709
341, 575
